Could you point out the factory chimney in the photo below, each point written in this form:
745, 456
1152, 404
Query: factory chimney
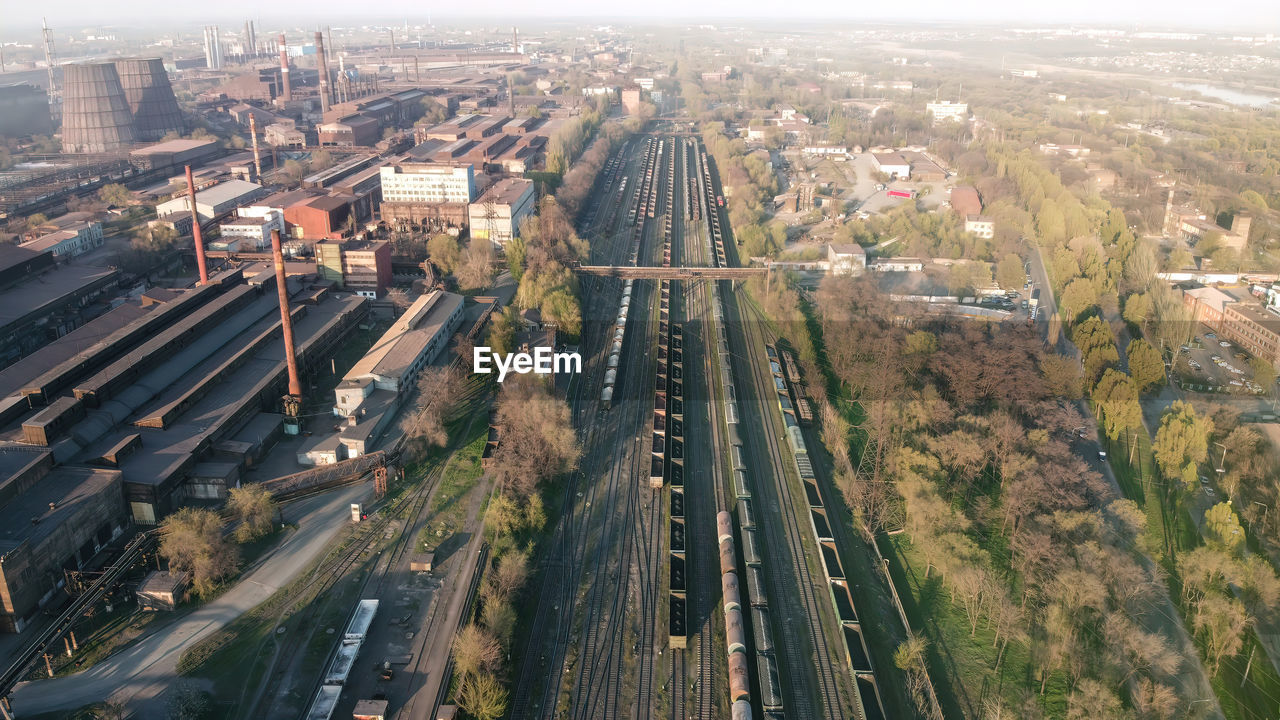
286, 90
294, 398
253, 136
195, 229
322, 64
515, 40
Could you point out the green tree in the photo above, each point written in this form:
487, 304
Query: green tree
1079, 295
1222, 528
561, 308
1116, 402
516, 251
502, 330
115, 194
1182, 442
1137, 308
1145, 365
1010, 272
445, 252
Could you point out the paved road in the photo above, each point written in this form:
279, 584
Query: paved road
147, 667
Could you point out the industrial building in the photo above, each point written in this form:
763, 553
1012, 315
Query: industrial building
52, 519
318, 217
24, 111
373, 390
497, 214
215, 201
184, 396
174, 154
427, 192
361, 267
41, 300
75, 240
250, 230
846, 258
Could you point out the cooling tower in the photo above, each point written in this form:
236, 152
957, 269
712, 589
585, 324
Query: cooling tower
146, 87
95, 113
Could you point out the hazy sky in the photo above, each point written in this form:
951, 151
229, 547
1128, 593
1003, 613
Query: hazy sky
1248, 15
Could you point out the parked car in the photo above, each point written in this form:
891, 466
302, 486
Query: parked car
1224, 344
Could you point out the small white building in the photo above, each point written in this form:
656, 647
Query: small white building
251, 229
893, 164
947, 111
980, 225
846, 258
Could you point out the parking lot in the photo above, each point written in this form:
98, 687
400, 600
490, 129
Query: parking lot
1211, 362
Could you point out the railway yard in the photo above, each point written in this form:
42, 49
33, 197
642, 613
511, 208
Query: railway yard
692, 573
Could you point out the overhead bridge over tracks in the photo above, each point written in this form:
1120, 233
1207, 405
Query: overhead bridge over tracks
671, 273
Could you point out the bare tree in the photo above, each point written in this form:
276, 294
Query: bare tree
253, 508
475, 650
192, 541
424, 423
482, 696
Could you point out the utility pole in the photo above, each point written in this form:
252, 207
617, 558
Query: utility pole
49, 63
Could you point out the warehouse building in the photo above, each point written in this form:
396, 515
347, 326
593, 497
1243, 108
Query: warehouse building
214, 201
24, 111
41, 301
372, 392
52, 519
185, 397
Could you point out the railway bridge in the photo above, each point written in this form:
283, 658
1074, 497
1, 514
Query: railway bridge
671, 273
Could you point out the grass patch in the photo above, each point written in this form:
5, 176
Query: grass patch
447, 513
966, 664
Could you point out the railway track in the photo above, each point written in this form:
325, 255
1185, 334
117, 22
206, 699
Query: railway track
539, 688
316, 593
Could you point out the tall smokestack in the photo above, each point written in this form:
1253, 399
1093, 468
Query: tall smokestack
195, 229
253, 136
286, 90
286, 323
322, 64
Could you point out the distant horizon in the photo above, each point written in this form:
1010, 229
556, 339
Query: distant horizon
1249, 17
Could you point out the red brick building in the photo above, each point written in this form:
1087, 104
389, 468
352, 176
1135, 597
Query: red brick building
318, 218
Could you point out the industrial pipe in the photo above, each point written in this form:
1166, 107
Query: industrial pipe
195, 229
286, 323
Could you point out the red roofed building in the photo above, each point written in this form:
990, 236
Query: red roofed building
318, 218
965, 201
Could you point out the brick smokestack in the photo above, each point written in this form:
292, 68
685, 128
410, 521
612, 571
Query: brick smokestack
253, 135
322, 64
286, 323
286, 90
195, 229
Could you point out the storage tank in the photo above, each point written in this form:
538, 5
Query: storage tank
95, 113
151, 100
727, 562
735, 632
741, 710
729, 589
724, 526
739, 679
